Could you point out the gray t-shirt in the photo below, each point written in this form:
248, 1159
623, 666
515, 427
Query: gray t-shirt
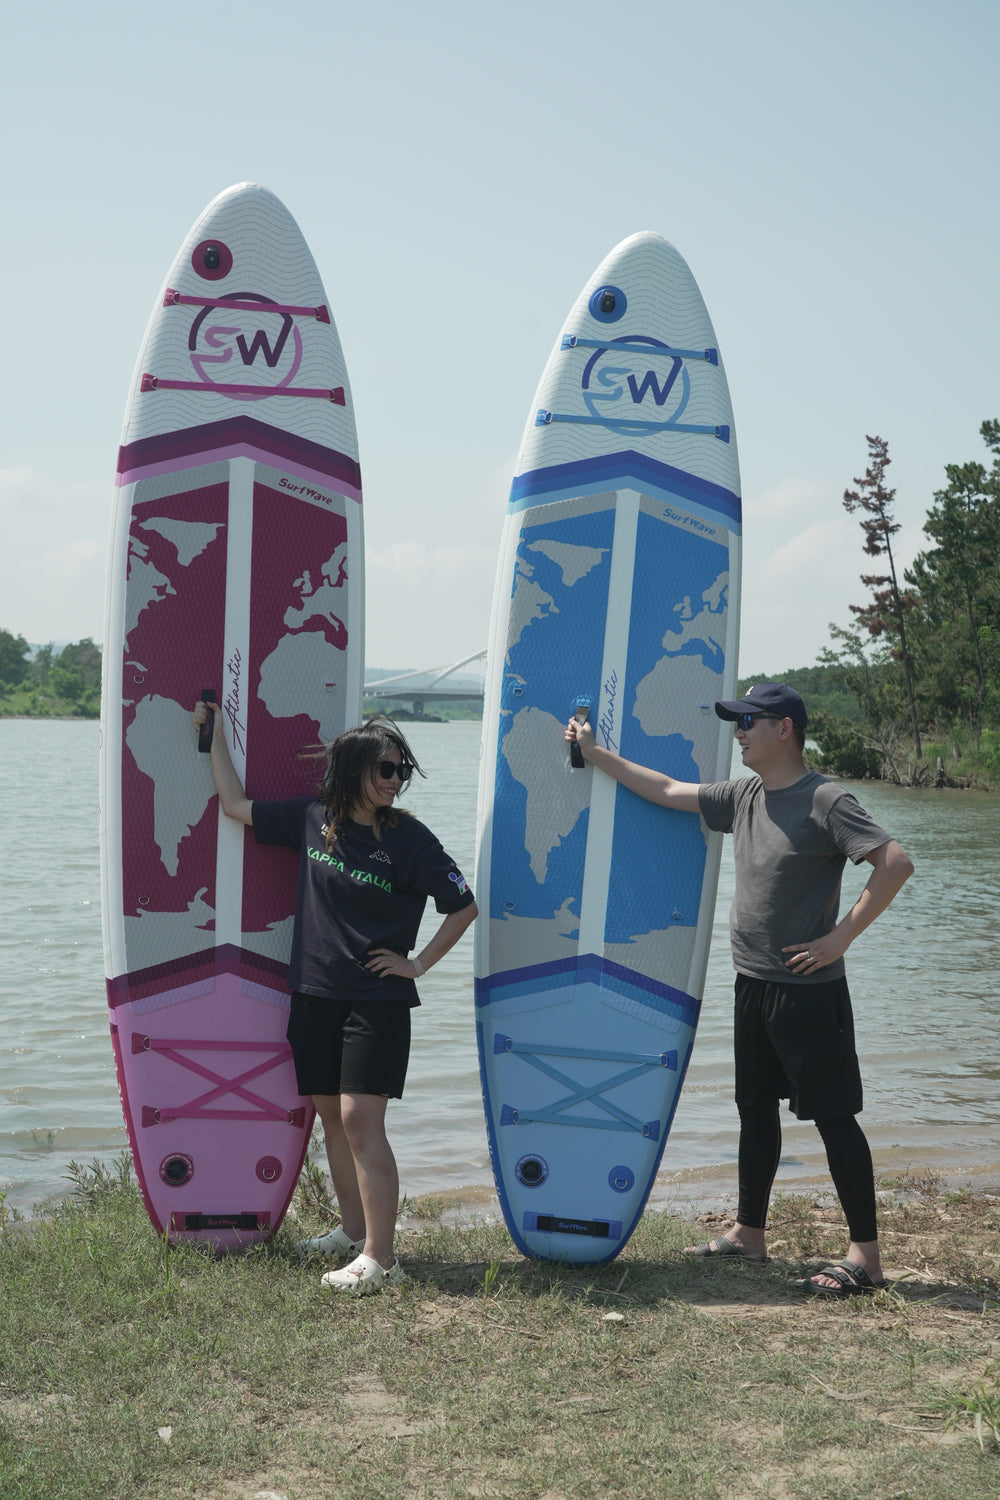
790, 848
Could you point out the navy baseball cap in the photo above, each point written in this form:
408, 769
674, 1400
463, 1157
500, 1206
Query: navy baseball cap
766, 698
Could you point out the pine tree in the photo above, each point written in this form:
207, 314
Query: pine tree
885, 614
957, 583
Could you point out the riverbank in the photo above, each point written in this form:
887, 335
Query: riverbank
23, 704
134, 1372
957, 760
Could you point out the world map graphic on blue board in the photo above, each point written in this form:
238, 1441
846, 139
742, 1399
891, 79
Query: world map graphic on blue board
660, 714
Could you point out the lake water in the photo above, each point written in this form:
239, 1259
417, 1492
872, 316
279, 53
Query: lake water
923, 978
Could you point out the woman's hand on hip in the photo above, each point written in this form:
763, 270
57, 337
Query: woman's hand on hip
385, 962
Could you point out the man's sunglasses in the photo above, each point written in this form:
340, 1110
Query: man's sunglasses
747, 721
387, 769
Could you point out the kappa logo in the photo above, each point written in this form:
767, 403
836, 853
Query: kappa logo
617, 384
380, 855
363, 877
231, 346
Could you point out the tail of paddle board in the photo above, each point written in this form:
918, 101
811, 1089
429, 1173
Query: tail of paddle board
236, 568
616, 598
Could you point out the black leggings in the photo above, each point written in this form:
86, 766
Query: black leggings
847, 1154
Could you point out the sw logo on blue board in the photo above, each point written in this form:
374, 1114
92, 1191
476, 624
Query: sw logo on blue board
634, 393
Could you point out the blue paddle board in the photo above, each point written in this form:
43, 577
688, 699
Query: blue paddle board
616, 597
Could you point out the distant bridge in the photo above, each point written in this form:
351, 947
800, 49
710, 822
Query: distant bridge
424, 687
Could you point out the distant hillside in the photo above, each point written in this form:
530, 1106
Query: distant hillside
821, 687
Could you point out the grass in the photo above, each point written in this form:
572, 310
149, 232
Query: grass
980, 1406
133, 1371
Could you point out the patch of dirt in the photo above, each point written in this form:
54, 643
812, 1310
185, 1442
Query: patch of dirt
34, 1412
431, 1317
257, 1487
373, 1410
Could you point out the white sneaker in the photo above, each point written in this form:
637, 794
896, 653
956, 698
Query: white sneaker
363, 1276
336, 1245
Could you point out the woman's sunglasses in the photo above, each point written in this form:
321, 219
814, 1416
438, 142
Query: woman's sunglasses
747, 721
387, 769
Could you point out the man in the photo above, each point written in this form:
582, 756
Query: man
793, 831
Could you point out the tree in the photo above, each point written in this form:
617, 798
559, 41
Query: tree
13, 658
885, 614
843, 749
871, 675
66, 680
75, 675
86, 656
41, 664
957, 583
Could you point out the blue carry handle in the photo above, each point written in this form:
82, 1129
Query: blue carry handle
582, 704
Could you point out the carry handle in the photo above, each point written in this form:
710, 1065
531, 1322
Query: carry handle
581, 712
205, 730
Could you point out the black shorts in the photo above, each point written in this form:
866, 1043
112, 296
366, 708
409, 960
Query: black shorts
360, 1045
796, 1042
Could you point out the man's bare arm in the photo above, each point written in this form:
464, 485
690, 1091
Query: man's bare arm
892, 868
654, 786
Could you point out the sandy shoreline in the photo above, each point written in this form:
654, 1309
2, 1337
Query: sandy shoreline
686, 1192
697, 1191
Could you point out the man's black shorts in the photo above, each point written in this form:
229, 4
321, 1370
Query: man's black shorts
796, 1042
356, 1046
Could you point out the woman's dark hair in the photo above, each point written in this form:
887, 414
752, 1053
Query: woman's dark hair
352, 758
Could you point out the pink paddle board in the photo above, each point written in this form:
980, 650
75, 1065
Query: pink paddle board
237, 566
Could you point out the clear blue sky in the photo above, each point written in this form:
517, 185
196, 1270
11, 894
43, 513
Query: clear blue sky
458, 170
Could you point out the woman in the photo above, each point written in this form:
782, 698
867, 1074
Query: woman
365, 873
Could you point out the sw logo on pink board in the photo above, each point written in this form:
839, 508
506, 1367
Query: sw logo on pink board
225, 344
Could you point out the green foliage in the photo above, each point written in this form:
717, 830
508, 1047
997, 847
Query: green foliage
53, 685
959, 617
13, 659
924, 662
8, 1215
825, 690
980, 1406
843, 750
41, 664
989, 752
97, 1185
969, 757
885, 615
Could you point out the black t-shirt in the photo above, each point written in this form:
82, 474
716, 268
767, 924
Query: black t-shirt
364, 893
